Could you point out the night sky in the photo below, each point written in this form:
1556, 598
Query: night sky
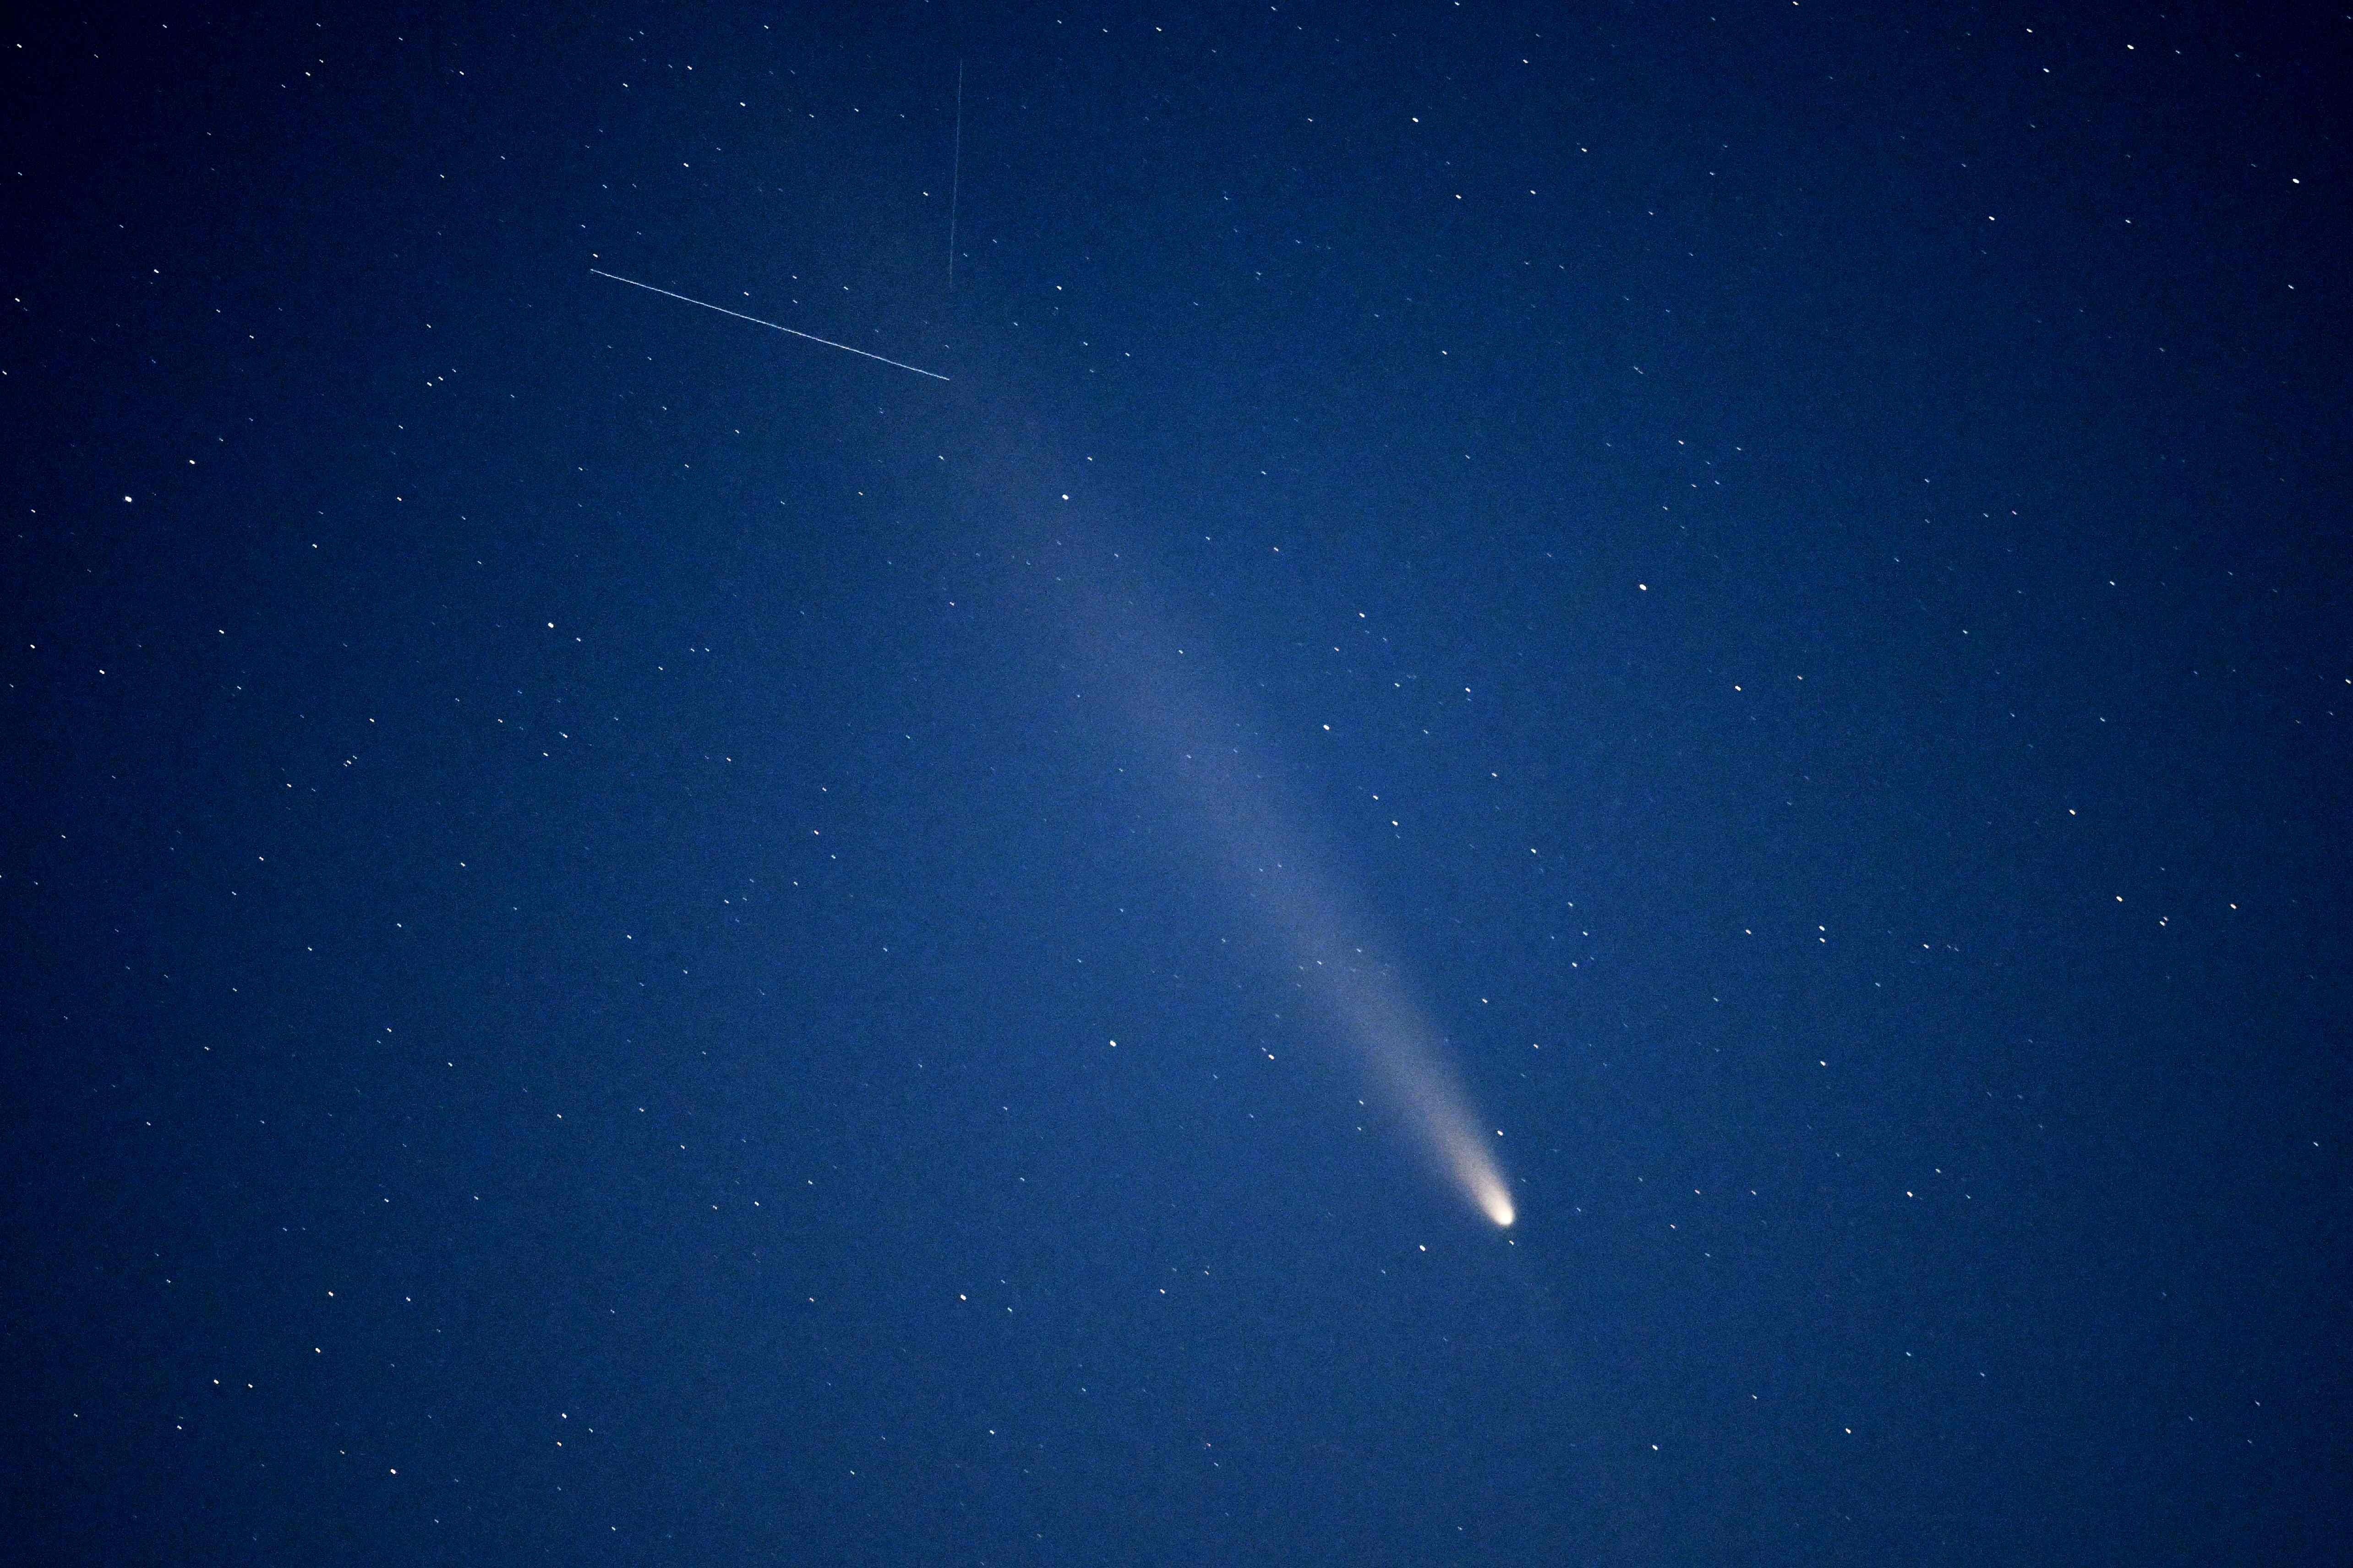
629, 938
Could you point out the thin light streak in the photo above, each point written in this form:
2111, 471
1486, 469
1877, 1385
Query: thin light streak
776, 326
955, 177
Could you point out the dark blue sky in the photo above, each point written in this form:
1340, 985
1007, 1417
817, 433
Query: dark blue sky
632, 939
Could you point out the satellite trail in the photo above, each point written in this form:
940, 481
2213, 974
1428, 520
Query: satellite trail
955, 177
757, 322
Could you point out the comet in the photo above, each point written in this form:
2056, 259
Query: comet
1303, 911
1401, 1049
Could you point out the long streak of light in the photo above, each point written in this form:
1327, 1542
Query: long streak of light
773, 326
